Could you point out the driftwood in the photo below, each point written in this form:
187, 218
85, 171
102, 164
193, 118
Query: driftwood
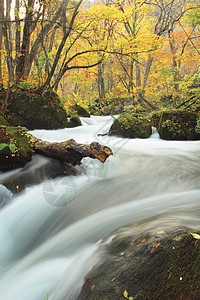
70, 151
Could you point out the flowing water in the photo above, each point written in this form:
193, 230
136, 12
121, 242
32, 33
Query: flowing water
52, 233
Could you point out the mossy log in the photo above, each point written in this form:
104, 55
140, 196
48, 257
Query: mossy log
70, 151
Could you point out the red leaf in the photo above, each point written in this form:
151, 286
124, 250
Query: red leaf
86, 282
144, 241
92, 288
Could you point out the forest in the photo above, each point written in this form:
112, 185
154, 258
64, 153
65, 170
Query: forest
103, 52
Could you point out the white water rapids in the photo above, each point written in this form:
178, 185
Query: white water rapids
51, 234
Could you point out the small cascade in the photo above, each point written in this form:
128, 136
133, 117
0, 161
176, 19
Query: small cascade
155, 134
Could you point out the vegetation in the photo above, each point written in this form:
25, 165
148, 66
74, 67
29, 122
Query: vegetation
16, 147
176, 124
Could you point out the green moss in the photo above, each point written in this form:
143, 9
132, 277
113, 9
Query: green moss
23, 147
33, 110
131, 125
73, 122
176, 124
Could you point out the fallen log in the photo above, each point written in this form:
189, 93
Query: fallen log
70, 151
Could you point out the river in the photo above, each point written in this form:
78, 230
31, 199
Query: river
52, 233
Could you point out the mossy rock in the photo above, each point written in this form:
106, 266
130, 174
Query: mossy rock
131, 125
74, 121
31, 109
82, 111
150, 266
19, 149
176, 125
2, 119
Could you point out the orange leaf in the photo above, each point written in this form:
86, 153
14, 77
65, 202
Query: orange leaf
155, 244
144, 241
113, 279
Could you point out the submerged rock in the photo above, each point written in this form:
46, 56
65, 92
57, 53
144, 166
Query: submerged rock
5, 195
131, 125
151, 266
176, 125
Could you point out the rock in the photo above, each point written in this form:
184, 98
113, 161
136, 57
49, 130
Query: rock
81, 111
131, 125
36, 171
176, 125
5, 195
30, 109
74, 121
16, 147
150, 266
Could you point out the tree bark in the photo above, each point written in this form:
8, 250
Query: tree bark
70, 151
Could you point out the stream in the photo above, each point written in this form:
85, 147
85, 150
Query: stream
53, 232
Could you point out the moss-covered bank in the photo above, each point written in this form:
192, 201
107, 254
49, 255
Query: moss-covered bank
149, 267
131, 125
176, 124
16, 148
34, 110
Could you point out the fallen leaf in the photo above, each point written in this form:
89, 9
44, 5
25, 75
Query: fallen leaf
92, 287
144, 241
133, 241
155, 244
125, 294
195, 235
113, 279
160, 232
86, 282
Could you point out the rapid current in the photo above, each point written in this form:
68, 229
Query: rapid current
53, 232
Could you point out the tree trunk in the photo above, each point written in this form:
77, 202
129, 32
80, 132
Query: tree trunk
71, 152
175, 71
20, 70
101, 88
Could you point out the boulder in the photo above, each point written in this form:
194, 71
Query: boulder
31, 109
176, 124
131, 125
149, 266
